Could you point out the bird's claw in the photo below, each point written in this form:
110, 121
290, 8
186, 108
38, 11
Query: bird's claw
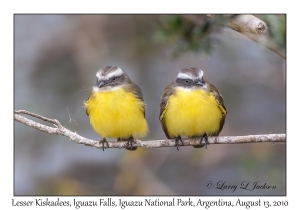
103, 141
130, 141
205, 140
176, 142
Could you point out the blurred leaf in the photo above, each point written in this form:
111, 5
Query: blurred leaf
191, 33
277, 29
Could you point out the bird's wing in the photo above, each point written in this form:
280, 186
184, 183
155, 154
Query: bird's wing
136, 90
222, 107
163, 105
218, 98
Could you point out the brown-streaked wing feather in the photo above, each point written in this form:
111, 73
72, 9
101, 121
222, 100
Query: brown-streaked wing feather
220, 101
218, 97
164, 101
136, 90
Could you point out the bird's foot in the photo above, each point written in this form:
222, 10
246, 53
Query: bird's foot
176, 142
130, 141
103, 141
205, 140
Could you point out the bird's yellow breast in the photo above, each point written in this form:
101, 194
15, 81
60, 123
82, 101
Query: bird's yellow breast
117, 114
192, 113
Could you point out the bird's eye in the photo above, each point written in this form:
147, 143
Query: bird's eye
113, 79
187, 81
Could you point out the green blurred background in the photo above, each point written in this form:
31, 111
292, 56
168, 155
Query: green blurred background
57, 56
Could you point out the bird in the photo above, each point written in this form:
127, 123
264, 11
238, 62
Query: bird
116, 107
192, 107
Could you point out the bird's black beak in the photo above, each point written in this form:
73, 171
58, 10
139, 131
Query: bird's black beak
101, 83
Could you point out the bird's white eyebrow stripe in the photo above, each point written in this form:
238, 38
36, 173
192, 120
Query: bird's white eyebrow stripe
115, 73
98, 75
200, 74
184, 76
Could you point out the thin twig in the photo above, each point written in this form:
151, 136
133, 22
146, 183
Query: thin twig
73, 136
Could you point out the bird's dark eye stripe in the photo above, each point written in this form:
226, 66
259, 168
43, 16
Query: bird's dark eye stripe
112, 81
184, 82
181, 79
114, 78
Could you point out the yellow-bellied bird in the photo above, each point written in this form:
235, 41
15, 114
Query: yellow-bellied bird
191, 107
116, 107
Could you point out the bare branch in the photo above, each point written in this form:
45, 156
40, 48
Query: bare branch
73, 136
255, 29
250, 26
